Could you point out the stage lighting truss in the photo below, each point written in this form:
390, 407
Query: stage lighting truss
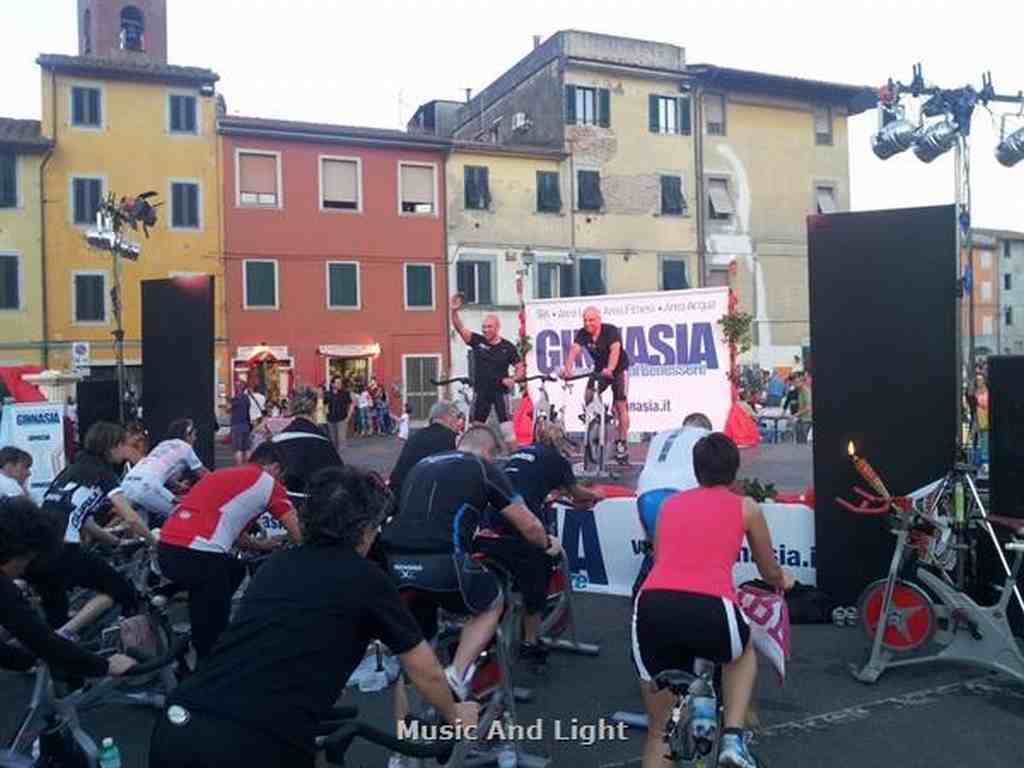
1010, 149
112, 216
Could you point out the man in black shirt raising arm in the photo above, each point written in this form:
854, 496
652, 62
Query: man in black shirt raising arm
492, 356
25, 533
603, 343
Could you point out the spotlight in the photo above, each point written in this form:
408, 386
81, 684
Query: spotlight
1010, 150
127, 249
896, 136
935, 140
101, 240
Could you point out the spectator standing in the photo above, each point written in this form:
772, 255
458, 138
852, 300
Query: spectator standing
241, 426
403, 424
805, 410
339, 407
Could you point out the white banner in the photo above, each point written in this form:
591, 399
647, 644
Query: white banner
37, 428
605, 545
679, 361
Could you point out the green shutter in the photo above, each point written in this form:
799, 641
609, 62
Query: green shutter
652, 112
94, 116
192, 196
176, 113
469, 182
190, 105
8, 180
177, 205
483, 185
570, 104
604, 108
77, 106
683, 115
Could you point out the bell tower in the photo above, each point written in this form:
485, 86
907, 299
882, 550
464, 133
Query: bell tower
120, 29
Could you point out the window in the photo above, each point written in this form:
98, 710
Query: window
183, 114
714, 113
418, 391
986, 326
132, 28
260, 283
419, 286
342, 285
549, 192
823, 125
86, 195
591, 276
722, 208
669, 114
341, 182
1007, 282
673, 273
589, 198
474, 281
555, 280
1008, 316
416, 188
825, 199
1006, 249
986, 291
8, 180
587, 106
258, 179
90, 297
672, 202
477, 189
10, 281
986, 260
184, 205
85, 107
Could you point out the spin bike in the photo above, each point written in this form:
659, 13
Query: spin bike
694, 727
597, 418
922, 605
464, 396
341, 729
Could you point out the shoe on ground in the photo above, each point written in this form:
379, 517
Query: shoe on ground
533, 654
734, 753
460, 688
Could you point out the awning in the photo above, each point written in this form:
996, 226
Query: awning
349, 350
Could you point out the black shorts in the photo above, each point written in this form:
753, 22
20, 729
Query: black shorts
672, 629
619, 384
456, 583
528, 565
484, 400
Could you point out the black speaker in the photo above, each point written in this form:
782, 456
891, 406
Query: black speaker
882, 300
1006, 435
97, 401
177, 358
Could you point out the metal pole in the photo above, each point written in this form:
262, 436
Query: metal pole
118, 337
960, 444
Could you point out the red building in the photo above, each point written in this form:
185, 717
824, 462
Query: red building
334, 242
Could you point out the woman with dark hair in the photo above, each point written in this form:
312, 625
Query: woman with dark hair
27, 533
146, 484
302, 628
74, 497
687, 607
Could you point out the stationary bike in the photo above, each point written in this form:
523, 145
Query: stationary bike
597, 418
920, 601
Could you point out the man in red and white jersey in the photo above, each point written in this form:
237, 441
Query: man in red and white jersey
196, 541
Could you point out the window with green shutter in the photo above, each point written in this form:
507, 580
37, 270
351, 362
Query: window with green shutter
591, 276
10, 283
260, 284
555, 280
90, 298
419, 286
86, 195
587, 106
673, 273
474, 281
343, 285
183, 113
85, 107
8, 180
184, 205
668, 114
477, 188
549, 193
672, 202
589, 184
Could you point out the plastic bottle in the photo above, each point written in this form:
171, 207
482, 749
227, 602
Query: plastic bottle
507, 756
110, 755
703, 717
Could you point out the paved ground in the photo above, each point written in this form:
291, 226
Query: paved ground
929, 715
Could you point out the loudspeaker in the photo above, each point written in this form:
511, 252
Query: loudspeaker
883, 303
97, 401
1006, 435
177, 358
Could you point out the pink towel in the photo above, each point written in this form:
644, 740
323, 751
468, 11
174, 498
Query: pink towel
768, 615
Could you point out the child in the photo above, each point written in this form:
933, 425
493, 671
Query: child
403, 423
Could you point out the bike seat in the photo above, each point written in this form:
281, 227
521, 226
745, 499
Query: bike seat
676, 680
1013, 524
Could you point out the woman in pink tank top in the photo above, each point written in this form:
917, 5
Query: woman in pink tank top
686, 608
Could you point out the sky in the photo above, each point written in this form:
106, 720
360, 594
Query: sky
373, 63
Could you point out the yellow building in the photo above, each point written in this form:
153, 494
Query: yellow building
22, 150
124, 121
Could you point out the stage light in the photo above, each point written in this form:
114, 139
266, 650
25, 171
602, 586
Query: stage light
896, 136
936, 139
127, 249
1010, 150
101, 240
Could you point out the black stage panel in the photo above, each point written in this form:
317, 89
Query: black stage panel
97, 401
882, 300
177, 357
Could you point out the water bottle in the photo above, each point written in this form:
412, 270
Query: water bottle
703, 717
110, 756
507, 756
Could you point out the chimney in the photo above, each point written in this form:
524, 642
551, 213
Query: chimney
469, 95
536, 42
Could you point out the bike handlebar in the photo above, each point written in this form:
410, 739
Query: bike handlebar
455, 380
337, 744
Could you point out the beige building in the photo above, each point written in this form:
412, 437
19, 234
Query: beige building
22, 151
679, 175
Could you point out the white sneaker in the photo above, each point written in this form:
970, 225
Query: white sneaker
460, 688
401, 761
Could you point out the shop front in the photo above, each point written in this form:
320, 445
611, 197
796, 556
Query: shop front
354, 363
266, 369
